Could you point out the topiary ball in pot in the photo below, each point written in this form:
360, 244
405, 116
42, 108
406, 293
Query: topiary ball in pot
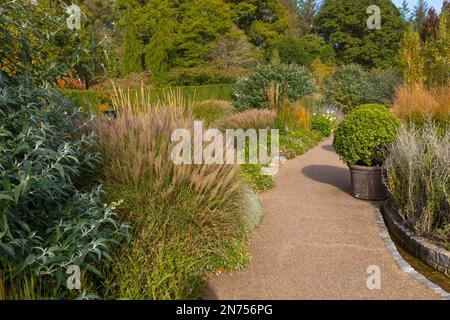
361, 140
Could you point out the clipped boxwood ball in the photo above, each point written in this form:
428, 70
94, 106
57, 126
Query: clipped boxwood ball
364, 135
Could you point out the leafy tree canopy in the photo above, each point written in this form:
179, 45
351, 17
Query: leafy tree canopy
176, 33
263, 20
343, 24
305, 50
203, 22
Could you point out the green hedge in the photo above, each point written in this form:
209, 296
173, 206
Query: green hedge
89, 100
203, 76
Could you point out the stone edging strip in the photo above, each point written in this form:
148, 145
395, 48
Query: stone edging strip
401, 262
420, 247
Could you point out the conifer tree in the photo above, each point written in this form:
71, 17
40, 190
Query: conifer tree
411, 58
162, 22
437, 53
132, 46
420, 13
294, 26
307, 12
405, 11
429, 27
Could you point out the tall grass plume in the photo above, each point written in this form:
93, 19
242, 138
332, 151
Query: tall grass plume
186, 219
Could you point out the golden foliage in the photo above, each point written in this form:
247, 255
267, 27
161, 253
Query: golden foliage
302, 117
416, 101
321, 72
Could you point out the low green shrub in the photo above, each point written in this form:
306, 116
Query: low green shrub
201, 93
418, 177
364, 135
48, 223
291, 82
347, 88
255, 209
204, 75
87, 100
251, 174
382, 85
323, 123
294, 143
212, 110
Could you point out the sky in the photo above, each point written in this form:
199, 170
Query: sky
437, 4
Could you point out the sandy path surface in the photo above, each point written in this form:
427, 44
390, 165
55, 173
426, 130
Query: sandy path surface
316, 241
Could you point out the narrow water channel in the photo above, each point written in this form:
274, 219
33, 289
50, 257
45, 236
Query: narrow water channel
430, 273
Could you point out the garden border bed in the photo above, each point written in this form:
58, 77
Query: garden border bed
424, 250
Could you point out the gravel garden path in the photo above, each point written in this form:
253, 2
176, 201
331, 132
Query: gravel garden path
316, 241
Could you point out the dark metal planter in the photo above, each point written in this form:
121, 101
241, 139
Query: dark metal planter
367, 183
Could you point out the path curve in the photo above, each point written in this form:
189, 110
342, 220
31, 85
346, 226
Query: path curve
316, 241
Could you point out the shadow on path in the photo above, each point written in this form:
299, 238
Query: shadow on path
328, 147
335, 176
209, 294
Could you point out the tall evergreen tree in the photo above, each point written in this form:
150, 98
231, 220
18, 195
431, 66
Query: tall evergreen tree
445, 5
420, 13
405, 11
203, 23
307, 12
343, 25
430, 26
411, 59
132, 46
437, 53
294, 28
162, 23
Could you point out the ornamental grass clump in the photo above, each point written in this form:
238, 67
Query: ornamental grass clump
364, 135
302, 118
416, 104
186, 219
250, 119
293, 116
212, 110
418, 177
